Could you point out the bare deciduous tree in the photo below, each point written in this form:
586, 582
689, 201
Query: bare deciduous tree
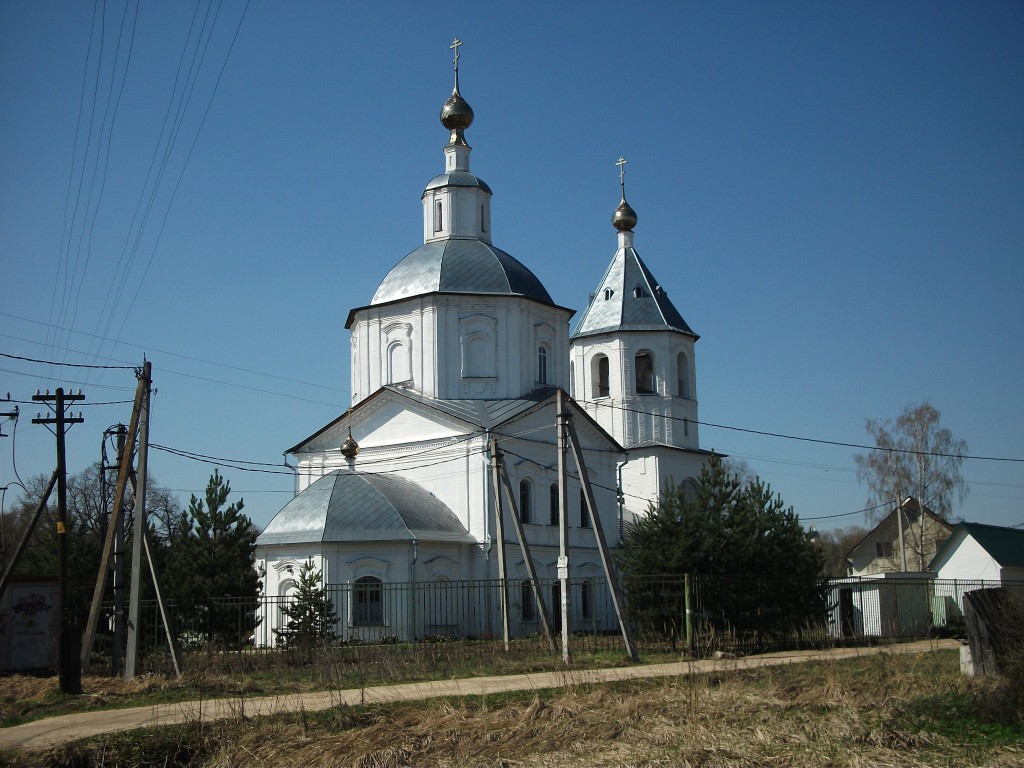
913, 457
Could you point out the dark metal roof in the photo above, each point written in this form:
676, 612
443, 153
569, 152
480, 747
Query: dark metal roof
457, 179
351, 506
630, 299
457, 265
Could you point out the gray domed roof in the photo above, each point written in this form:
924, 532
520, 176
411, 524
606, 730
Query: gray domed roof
457, 179
349, 506
459, 266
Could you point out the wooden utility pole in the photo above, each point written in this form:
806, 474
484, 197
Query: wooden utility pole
69, 667
524, 546
114, 522
563, 528
27, 534
141, 528
602, 546
499, 534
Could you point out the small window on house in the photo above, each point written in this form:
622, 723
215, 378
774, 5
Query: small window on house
527, 608
584, 512
525, 500
644, 373
542, 365
883, 549
553, 505
599, 376
438, 216
368, 602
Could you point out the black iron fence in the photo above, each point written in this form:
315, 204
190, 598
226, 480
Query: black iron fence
696, 614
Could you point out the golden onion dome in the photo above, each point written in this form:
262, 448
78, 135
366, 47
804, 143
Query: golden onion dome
624, 218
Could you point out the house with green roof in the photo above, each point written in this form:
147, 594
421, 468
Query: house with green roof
980, 551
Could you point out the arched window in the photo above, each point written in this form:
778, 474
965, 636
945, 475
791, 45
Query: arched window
553, 505
584, 513
527, 608
556, 607
483, 219
398, 363
525, 500
599, 376
368, 602
438, 216
476, 361
586, 599
682, 376
689, 490
542, 365
644, 373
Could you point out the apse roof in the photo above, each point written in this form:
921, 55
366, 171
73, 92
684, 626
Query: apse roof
630, 299
352, 506
457, 265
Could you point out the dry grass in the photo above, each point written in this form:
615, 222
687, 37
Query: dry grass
862, 713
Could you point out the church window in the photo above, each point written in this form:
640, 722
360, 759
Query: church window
398, 363
572, 377
686, 427
638, 292
584, 512
644, 373
368, 602
483, 219
599, 376
525, 500
438, 216
586, 599
608, 292
556, 607
527, 608
690, 490
683, 376
542, 365
553, 505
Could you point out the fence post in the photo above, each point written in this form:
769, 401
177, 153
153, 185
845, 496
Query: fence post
688, 601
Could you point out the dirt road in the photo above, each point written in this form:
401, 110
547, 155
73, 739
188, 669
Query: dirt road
57, 730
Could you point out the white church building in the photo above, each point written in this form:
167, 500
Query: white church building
461, 348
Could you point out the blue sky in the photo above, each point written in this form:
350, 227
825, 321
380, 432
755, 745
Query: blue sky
832, 194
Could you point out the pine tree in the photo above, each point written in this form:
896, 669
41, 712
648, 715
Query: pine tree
740, 531
210, 569
312, 619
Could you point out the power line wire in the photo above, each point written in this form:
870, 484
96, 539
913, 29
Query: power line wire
67, 365
816, 440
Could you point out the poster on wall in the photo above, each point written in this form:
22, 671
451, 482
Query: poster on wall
28, 626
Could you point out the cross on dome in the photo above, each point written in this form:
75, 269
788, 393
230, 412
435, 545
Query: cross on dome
624, 218
621, 162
